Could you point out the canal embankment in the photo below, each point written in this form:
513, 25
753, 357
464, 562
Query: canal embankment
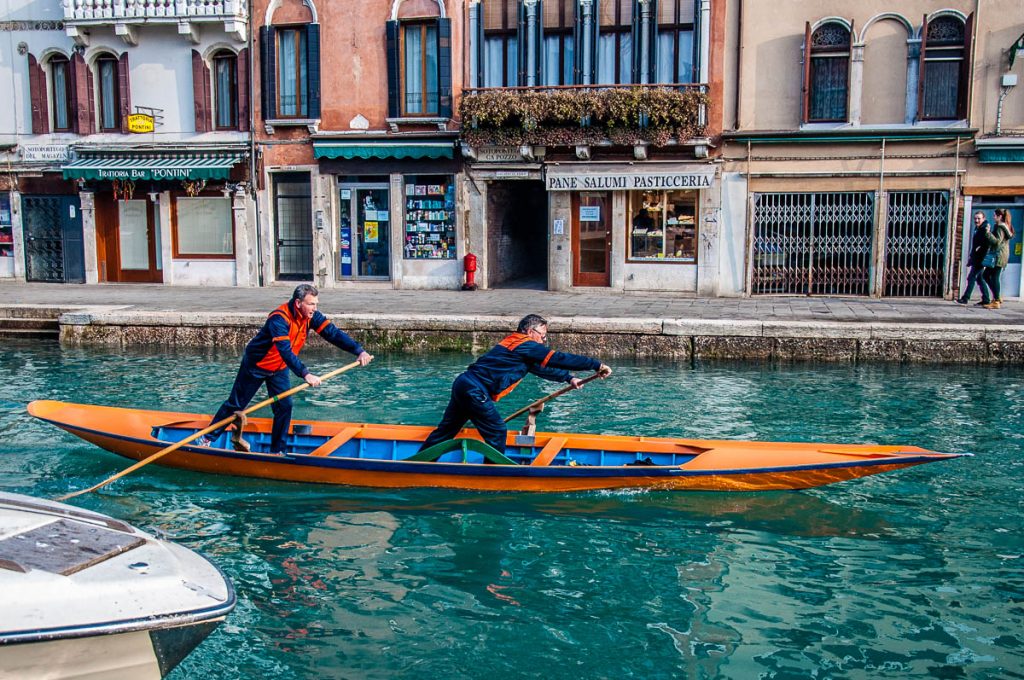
602, 323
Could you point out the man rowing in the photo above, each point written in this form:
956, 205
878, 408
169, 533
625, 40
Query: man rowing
497, 373
274, 351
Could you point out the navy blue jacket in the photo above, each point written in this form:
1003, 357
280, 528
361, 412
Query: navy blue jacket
501, 369
279, 342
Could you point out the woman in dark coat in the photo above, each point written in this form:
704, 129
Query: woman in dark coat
998, 244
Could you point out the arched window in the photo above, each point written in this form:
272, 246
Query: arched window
225, 90
826, 74
615, 42
559, 61
500, 63
108, 90
60, 93
943, 79
675, 41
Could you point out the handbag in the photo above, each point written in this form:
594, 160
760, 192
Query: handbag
990, 259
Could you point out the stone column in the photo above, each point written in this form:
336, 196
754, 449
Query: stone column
645, 41
705, 40
560, 245
587, 60
709, 221
246, 265
323, 251
913, 72
531, 42
856, 82
18, 234
88, 204
163, 206
396, 228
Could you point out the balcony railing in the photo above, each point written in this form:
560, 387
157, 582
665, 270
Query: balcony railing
574, 115
192, 10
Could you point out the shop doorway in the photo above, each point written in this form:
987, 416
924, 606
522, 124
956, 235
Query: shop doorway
517, 238
127, 240
591, 239
1010, 283
293, 227
53, 239
364, 243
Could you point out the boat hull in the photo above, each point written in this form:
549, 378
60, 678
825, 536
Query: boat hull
697, 465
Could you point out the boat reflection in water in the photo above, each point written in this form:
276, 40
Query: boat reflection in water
86, 595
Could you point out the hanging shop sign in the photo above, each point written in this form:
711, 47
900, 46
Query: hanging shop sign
628, 178
140, 123
44, 153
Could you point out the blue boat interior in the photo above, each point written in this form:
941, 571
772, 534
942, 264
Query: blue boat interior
398, 450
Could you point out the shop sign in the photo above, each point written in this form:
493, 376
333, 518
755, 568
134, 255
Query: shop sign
512, 173
499, 154
45, 153
144, 173
589, 178
140, 123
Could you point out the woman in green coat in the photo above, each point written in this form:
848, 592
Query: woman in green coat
998, 245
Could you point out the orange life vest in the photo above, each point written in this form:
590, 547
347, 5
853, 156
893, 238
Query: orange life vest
298, 331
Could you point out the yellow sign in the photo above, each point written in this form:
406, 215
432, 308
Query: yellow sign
140, 123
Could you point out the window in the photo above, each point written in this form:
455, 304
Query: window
942, 80
615, 42
109, 93
827, 68
663, 226
225, 90
675, 41
60, 93
203, 227
559, 62
500, 64
429, 217
419, 72
292, 73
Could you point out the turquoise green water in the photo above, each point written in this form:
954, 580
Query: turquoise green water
911, 574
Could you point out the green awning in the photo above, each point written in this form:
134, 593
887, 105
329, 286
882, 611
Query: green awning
383, 150
1001, 154
157, 166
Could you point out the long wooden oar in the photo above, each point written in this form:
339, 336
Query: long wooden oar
217, 425
551, 396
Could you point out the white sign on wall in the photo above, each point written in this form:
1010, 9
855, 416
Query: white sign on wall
44, 153
628, 177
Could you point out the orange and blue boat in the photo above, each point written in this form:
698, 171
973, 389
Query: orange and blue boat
378, 455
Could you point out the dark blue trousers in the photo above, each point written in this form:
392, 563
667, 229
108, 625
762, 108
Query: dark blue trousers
974, 276
469, 401
247, 382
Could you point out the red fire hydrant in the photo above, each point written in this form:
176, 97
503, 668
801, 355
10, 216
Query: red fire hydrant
469, 264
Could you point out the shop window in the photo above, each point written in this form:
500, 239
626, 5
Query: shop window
675, 41
203, 227
225, 90
944, 69
559, 62
60, 93
662, 226
500, 54
826, 73
108, 89
430, 217
615, 42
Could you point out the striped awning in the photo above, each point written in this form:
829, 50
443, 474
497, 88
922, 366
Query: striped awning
398, 149
156, 166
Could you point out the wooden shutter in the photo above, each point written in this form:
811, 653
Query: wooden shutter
919, 115
963, 98
313, 71
124, 91
201, 92
637, 32
82, 103
805, 89
478, 47
242, 86
577, 44
652, 44
521, 40
268, 73
444, 67
37, 97
394, 69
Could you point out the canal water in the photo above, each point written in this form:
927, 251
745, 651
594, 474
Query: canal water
916, 573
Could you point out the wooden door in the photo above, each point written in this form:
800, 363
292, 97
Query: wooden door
126, 244
591, 239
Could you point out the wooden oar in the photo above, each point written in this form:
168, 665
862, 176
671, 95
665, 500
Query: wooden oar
551, 396
219, 424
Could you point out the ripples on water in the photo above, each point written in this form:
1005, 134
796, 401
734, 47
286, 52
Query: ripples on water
911, 574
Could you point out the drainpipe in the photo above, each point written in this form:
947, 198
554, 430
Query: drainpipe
587, 6
705, 39
531, 43
253, 181
645, 41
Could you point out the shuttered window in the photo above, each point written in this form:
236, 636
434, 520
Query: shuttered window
291, 73
225, 90
943, 89
419, 68
60, 93
108, 90
289, 70
828, 76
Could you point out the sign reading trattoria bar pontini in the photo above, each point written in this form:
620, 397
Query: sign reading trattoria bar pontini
627, 178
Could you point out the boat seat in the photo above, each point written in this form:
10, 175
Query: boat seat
465, 445
550, 450
335, 442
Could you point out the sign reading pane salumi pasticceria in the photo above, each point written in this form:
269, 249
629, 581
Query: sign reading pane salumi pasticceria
627, 178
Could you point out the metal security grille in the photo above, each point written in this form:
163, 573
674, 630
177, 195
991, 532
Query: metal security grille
293, 226
812, 244
917, 224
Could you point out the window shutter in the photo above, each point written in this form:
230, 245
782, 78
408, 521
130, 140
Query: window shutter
444, 67
538, 44
919, 115
201, 92
478, 47
652, 43
85, 101
577, 44
124, 91
268, 74
695, 58
521, 40
805, 90
637, 32
242, 85
964, 95
313, 71
37, 97
394, 65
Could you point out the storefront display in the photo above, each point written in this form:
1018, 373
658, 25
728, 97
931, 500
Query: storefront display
430, 218
6, 237
662, 227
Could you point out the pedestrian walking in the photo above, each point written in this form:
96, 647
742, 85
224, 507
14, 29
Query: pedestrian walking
998, 255
979, 248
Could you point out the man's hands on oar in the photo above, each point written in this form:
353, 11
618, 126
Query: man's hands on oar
575, 384
603, 372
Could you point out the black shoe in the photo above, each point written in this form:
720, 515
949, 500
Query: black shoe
960, 301
983, 303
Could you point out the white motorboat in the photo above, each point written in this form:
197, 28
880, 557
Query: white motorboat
87, 596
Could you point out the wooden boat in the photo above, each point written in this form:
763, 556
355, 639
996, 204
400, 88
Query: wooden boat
365, 454
86, 595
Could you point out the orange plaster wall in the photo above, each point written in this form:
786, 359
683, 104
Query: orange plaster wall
716, 71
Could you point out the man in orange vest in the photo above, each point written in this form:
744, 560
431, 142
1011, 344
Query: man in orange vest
274, 351
497, 373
